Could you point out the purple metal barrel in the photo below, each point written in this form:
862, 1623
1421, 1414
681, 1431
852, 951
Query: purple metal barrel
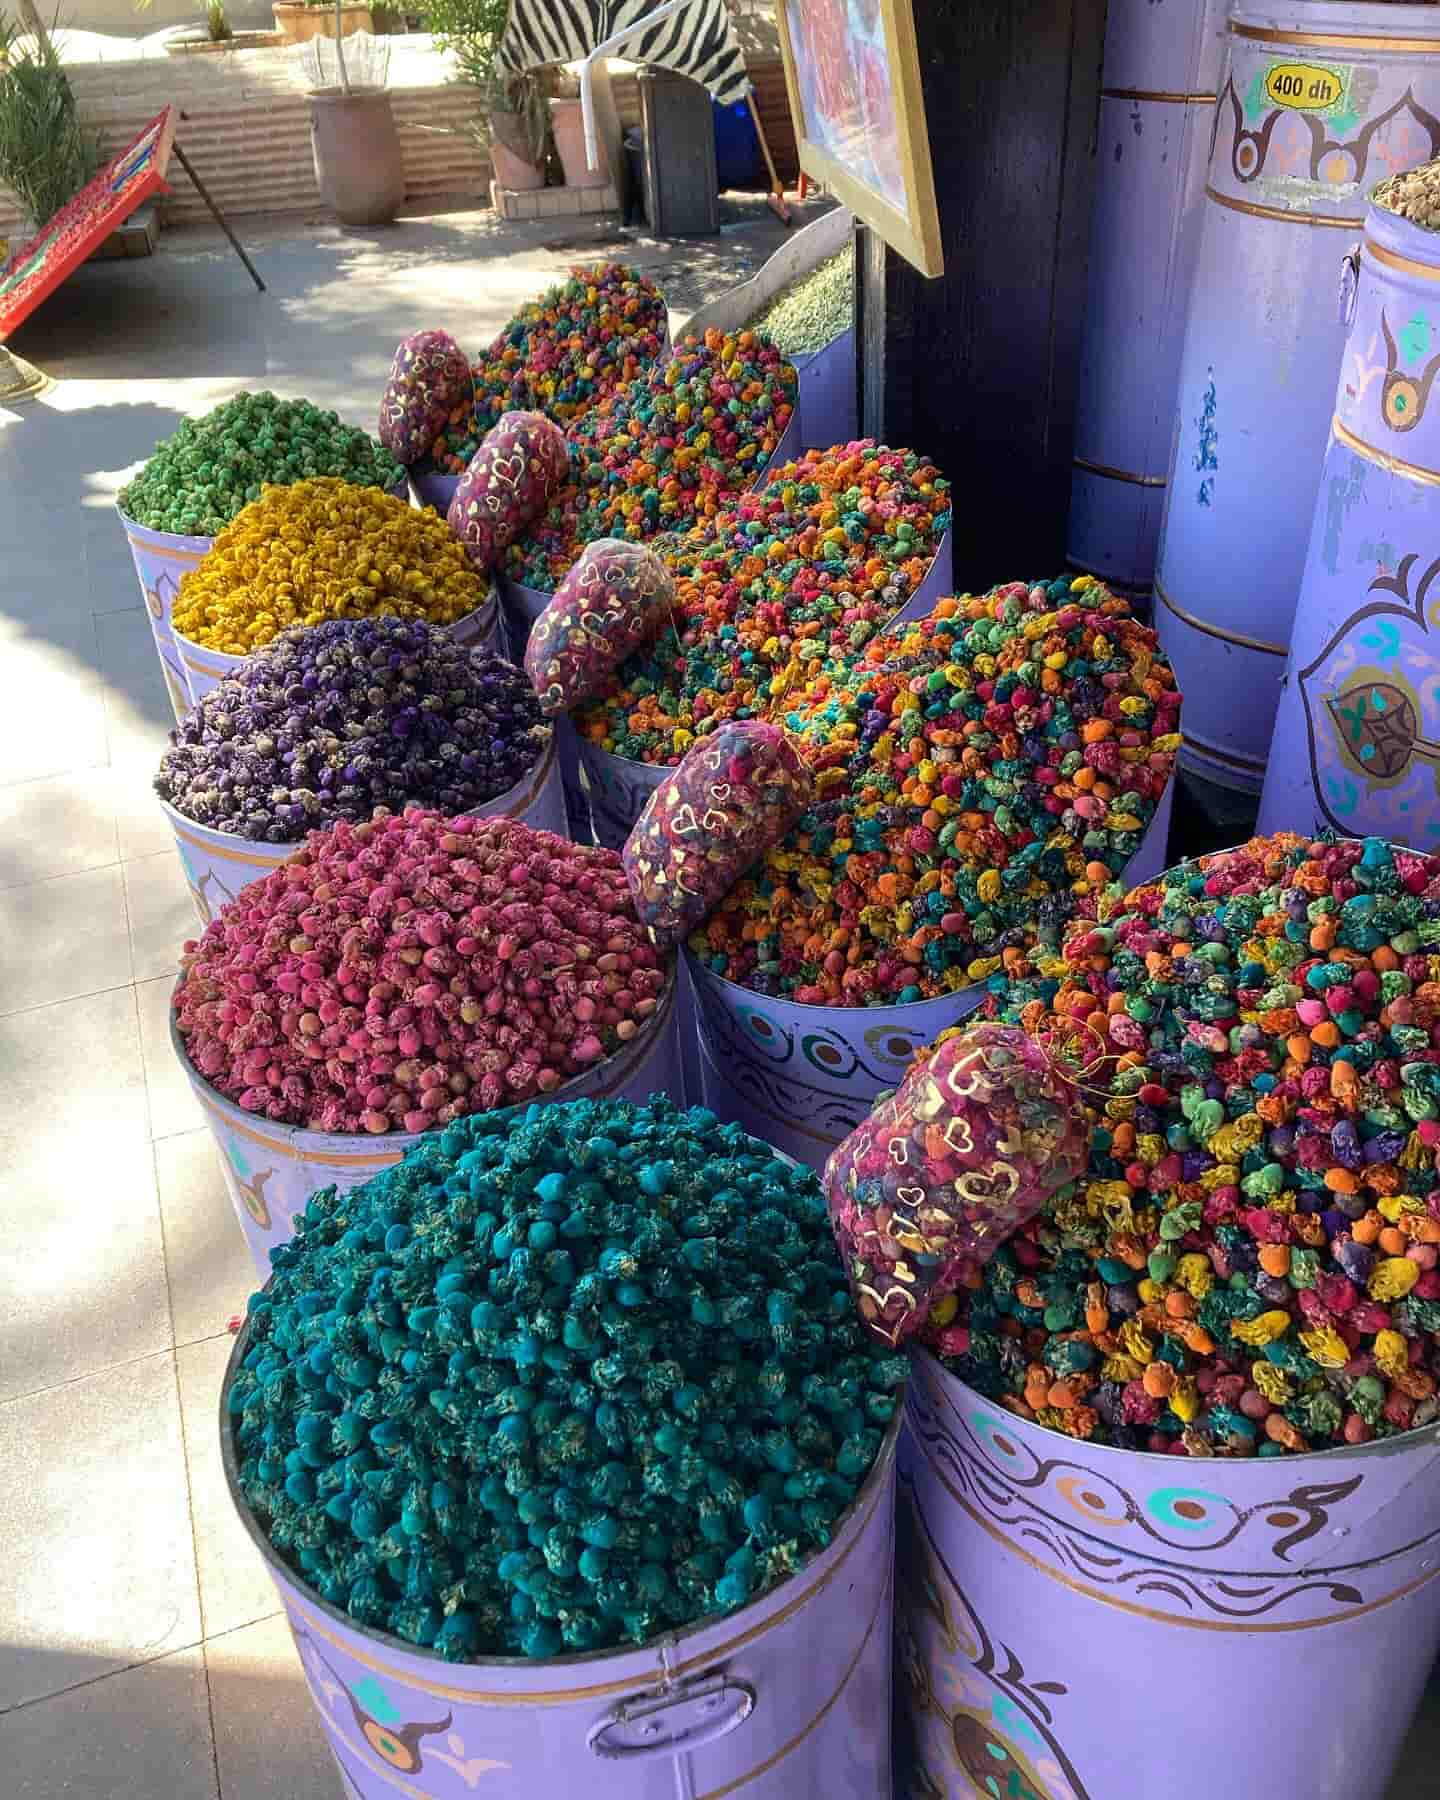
1086, 1623
829, 398
803, 1077
1320, 99
1162, 66
520, 607
1357, 738
271, 1170
217, 864
161, 558
434, 490
785, 1699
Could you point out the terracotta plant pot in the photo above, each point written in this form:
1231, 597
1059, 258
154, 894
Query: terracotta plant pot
514, 172
567, 121
298, 24
359, 169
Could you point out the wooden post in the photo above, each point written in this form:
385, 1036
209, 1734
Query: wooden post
977, 368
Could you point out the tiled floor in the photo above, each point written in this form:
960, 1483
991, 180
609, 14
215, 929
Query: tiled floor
142, 1654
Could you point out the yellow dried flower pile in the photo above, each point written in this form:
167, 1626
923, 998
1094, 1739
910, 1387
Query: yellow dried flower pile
324, 549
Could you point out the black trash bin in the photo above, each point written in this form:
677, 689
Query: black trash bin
677, 129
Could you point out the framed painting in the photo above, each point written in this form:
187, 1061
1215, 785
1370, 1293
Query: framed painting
853, 72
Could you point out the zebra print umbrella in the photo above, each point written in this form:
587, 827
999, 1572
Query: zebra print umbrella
697, 41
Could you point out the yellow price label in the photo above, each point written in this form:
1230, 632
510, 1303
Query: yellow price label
1304, 87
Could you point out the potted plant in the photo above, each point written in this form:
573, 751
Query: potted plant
359, 168
512, 122
46, 155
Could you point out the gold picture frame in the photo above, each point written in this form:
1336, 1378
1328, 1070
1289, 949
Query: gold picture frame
853, 79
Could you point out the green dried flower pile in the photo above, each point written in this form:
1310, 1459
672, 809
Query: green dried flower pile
561, 1380
813, 311
212, 468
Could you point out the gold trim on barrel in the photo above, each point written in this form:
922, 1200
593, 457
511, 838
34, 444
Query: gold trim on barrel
1111, 474
1174, 99
1406, 265
1282, 213
1326, 40
1243, 1626
1214, 631
1395, 465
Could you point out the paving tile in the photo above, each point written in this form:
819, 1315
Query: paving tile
72, 1077
62, 938
138, 715
173, 1106
134, 1736
162, 914
82, 1286
140, 826
234, 1586
99, 1571
210, 1272
60, 826
51, 725
268, 1740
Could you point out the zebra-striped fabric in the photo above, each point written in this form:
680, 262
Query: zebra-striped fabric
697, 41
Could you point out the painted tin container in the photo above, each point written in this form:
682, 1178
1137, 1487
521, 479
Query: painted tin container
1161, 70
785, 1699
1087, 1623
434, 490
803, 1077
271, 1170
161, 558
1319, 100
205, 669
520, 607
1357, 737
218, 864
829, 393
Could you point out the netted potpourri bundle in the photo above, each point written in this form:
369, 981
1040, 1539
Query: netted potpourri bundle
780, 581
205, 475
509, 483
583, 339
736, 793
429, 377
609, 603
557, 1382
324, 550
331, 721
1250, 1265
665, 452
982, 774
395, 975
977, 1138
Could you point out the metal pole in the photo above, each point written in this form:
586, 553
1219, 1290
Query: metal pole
204, 193
587, 70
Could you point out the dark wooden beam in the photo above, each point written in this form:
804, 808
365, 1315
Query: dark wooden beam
977, 368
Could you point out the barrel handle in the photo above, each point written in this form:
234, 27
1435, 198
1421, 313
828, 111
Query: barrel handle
672, 1720
1349, 285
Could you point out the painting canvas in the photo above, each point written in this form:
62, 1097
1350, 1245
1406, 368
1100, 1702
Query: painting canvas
37, 268
854, 80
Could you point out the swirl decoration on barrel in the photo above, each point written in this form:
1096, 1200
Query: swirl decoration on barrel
1372, 712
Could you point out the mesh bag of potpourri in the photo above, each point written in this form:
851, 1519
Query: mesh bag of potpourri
971, 1146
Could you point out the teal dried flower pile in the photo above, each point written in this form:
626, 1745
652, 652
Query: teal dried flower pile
210, 470
561, 1380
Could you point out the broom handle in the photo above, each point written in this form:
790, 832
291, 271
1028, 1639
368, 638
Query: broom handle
775, 186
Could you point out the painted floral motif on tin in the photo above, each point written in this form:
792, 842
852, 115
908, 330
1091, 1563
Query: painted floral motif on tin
973, 1719
1371, 700
370, 1722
